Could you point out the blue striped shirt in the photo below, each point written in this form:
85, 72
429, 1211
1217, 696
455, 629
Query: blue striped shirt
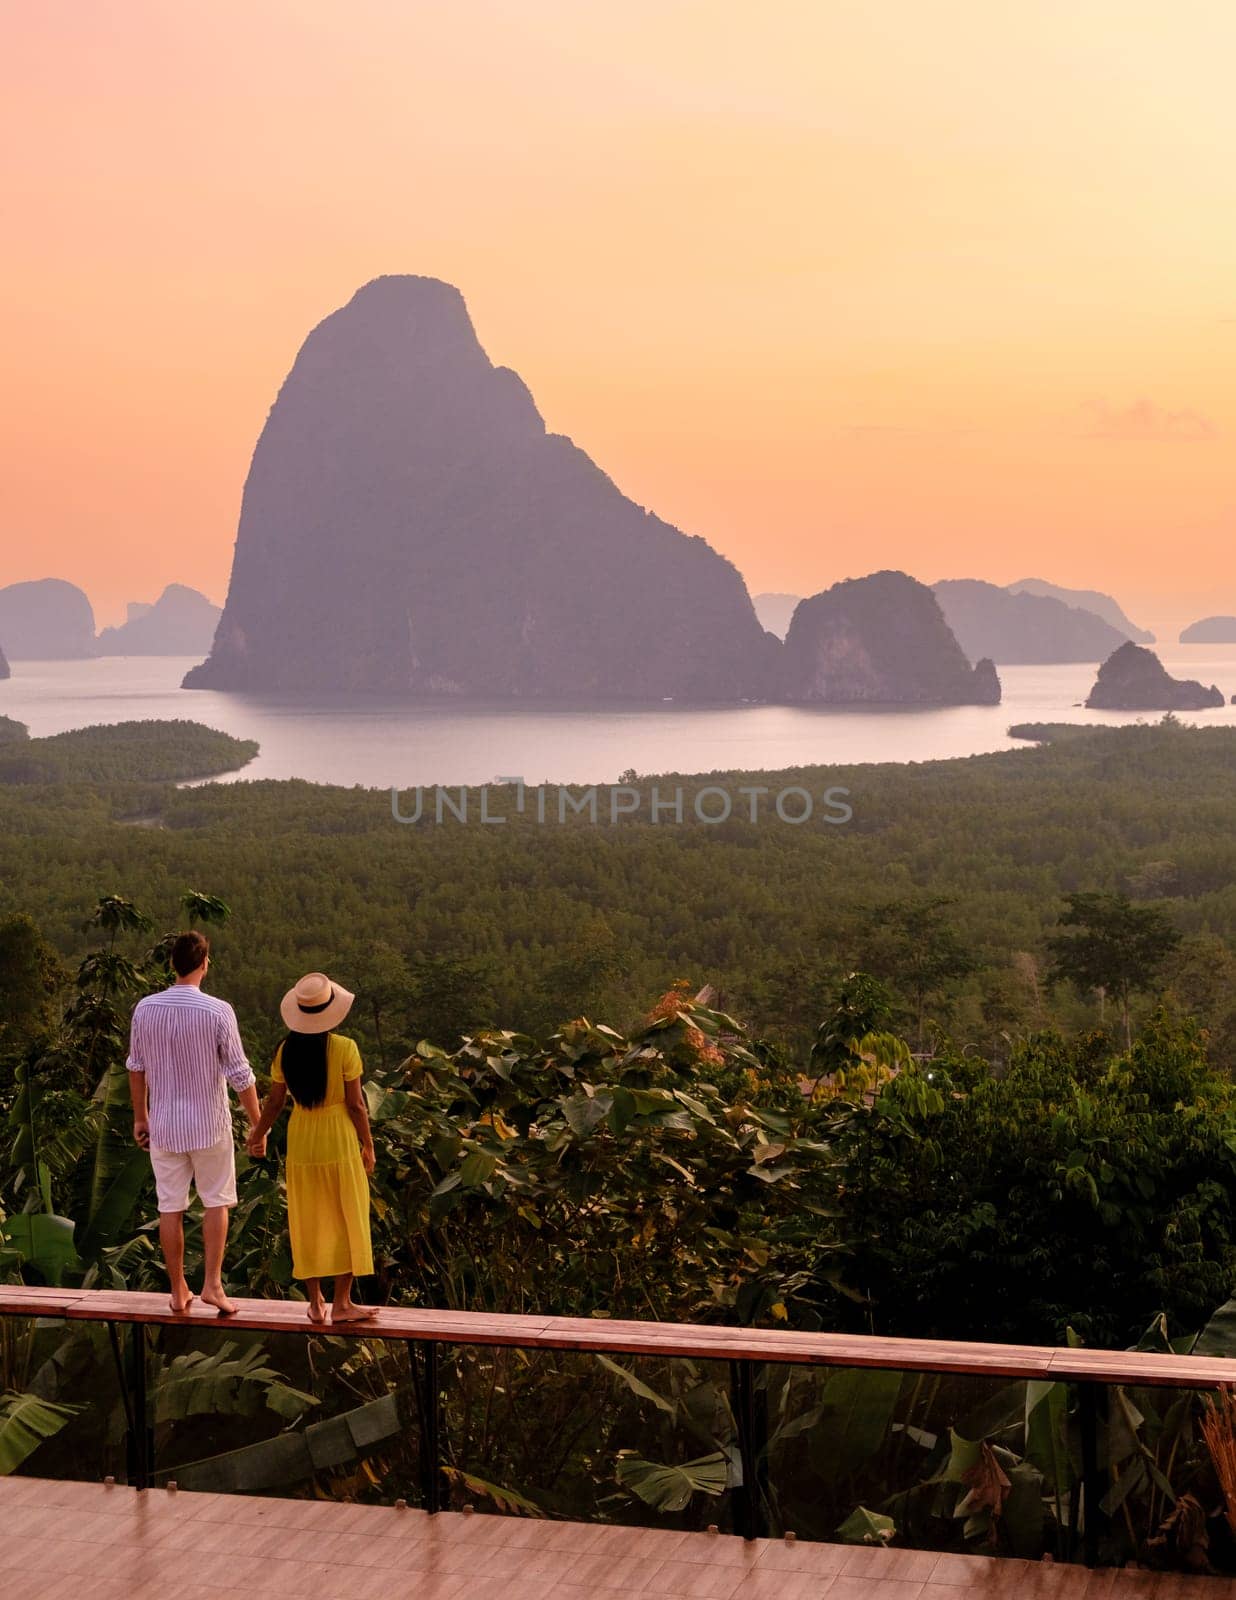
188, 1045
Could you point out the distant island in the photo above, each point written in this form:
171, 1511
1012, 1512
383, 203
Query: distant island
880, 640
46, 620
1210, 630
1134, 679
1102, 605
4, 665
181, 622
1022, 627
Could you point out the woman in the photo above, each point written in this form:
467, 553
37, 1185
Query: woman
330, 1146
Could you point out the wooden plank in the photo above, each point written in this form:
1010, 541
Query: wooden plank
22, 1300
613, 1336
1154, 1369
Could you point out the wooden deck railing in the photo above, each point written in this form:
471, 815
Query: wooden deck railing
744, 1349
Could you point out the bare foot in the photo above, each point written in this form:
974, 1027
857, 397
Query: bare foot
317, 1311
181, 1300
351, 1311
216, 1297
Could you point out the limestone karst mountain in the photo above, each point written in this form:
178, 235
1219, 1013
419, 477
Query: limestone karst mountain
181, 622
409, 525
46, 620
5, 671
1134, 679
1102, 605
1022, 627
880, 639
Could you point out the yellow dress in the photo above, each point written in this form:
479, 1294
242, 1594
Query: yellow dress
328, 1192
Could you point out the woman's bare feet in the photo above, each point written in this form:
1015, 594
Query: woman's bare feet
182, 1299
213, 1295
351, 1311
317, 1310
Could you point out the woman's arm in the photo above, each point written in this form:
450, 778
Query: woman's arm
354, 1099
271, 1112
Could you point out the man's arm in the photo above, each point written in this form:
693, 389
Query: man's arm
235, 1064
271, 1113
141, 1113
137, 1085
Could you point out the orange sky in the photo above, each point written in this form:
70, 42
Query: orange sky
838, 284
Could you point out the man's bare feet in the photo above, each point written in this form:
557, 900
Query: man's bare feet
213, 1296
182, 1299
351, 1311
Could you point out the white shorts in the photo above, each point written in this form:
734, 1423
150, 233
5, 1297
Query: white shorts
211, 1171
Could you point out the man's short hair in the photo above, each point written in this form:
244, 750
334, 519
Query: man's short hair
188, 952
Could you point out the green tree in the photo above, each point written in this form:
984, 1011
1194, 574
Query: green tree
1112, 946
914, 946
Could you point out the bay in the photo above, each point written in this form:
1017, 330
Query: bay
381, 743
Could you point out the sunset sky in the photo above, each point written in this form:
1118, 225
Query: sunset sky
943, 285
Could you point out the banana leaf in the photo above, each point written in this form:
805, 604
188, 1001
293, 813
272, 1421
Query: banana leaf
46, 1242
224, 1383
668, 1487
25, 1422
866, 1527
855, 1416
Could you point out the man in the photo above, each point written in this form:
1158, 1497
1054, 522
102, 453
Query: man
184, 1050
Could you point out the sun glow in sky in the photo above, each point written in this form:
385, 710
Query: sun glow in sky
839, 284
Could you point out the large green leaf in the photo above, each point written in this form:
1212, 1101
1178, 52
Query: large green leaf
854, 1419
25, 1421
1218, 1337
637, 1387
866, 1527
197, 1384
294, 1457
120, 1169
669, 1488
1047, 1406
46, 1242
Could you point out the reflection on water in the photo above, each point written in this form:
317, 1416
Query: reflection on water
383, 743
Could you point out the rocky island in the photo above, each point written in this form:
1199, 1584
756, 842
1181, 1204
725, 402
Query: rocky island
408, 525
1210, 630
46, 620
181, 622
1092, 600
1134, 679
880, 640
1022, 627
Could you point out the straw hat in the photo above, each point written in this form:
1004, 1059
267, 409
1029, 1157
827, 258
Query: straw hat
315, 1005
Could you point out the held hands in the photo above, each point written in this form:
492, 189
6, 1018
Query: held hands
255, 1144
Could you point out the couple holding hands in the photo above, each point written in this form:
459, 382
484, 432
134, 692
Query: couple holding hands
185, 1050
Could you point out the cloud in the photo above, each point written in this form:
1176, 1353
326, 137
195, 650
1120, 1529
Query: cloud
1142, 422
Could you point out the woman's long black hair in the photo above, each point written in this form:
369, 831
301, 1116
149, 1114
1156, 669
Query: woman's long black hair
304, 1067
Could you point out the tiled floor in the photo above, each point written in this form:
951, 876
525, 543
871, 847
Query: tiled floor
78, 1541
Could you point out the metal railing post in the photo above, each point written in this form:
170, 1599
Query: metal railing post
140, 1442
751, 1424
1090, 1398
431, 1429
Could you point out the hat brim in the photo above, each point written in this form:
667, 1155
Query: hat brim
299, 1021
